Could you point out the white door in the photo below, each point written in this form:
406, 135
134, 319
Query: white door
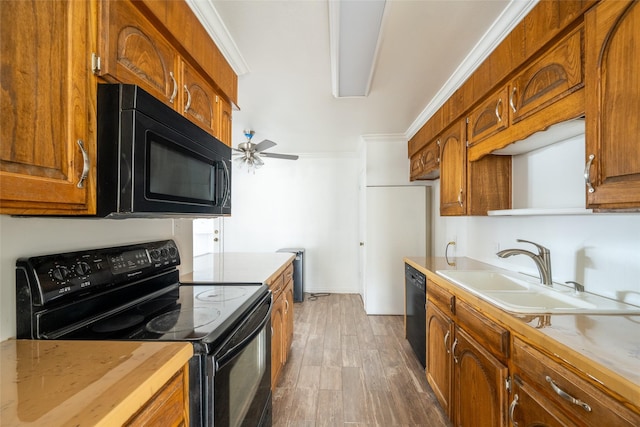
396, 227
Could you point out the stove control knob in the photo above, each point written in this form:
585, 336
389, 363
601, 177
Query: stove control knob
163, 252
82, 269
172, 251
154, 254
60, 273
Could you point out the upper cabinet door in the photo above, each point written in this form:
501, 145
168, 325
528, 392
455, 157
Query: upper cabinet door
550, 78
133, 51
489, 118
48, 108
453, 170
225, 116
613, 105
198, 100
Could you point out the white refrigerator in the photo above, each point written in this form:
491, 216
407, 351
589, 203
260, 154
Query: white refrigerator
397, 224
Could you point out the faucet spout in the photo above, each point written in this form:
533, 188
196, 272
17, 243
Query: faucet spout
542, 260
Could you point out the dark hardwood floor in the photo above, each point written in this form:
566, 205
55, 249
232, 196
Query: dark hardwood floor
347, 368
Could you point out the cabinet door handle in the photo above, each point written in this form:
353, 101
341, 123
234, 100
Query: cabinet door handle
511, 99
446, 341
188, 104
587, 173
453, 350
498, 104
286, 303
175, 88
566, 396
86, 164
460, 198
512, 409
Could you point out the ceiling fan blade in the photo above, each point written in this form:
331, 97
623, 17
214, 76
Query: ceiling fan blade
280, 156
264, 145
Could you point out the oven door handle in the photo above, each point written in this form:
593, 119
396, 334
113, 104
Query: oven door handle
231, 353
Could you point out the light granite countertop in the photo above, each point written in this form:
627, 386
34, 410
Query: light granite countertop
238, 267
82, 383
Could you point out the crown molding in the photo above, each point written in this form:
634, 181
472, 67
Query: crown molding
208, 16
515, 11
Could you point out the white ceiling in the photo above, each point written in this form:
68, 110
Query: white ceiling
286, 92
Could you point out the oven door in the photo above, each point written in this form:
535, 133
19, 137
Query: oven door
241, 380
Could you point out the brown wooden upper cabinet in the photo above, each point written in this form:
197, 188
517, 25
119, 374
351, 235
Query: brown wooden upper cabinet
199, 100
47, 146
133, 50
549, 79
613, 105
425, 164
453, 170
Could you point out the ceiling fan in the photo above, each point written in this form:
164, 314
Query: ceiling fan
250, 154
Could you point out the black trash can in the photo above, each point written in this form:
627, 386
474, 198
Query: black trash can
298, 272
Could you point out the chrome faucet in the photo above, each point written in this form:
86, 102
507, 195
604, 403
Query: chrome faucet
542, 260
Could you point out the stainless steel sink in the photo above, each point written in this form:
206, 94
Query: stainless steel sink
519, 293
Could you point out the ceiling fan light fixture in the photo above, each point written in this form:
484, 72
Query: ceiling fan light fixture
250, 154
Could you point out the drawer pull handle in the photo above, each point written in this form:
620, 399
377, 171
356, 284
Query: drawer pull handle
512, 409
446, 341
566, 396
511, 99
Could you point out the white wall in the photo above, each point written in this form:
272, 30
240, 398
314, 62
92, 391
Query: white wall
309, 203
22, 237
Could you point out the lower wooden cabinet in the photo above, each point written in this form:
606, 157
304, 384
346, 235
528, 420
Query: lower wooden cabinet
281, 322
277, 346
439, 332
568, 395
479, 392
468, 380
168, 407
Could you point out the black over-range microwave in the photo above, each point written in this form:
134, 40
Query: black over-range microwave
153, 162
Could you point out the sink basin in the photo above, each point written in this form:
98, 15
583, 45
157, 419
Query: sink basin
541, 301
481, 280
519, 293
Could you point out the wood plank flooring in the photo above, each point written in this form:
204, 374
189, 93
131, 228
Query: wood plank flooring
349, 369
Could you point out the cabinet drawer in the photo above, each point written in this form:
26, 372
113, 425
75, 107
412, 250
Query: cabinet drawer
277, 286
440, 297
491, 336
553, 381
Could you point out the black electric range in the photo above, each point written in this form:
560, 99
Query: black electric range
133, 292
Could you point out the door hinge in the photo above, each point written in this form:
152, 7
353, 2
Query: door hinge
507, 384
95, 63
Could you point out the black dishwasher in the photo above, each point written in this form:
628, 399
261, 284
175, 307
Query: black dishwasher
416, 315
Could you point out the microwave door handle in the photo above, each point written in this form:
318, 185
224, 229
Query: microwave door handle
227, 184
